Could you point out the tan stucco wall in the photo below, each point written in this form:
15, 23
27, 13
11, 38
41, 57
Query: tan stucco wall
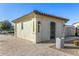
50, 19
60, 30
44, 34
27, 31
45, 28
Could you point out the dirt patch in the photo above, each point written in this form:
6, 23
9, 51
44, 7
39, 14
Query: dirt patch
12, 46
73, 50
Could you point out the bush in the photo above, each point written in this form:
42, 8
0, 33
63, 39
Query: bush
6, 26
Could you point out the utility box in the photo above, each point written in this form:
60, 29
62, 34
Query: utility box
59, 43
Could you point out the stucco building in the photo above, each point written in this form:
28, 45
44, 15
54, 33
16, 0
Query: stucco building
37, 26
76, 25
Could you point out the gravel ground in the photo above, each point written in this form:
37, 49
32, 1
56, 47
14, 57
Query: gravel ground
69, 49
12, 46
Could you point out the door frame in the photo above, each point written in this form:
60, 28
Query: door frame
52, 32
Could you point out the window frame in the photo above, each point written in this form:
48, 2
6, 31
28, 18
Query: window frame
22, 27
39, 26
33, 27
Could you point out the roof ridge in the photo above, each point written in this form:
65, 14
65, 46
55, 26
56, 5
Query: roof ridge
45, 14
39, 12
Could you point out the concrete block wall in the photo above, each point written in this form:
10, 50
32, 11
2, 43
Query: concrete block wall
69, 30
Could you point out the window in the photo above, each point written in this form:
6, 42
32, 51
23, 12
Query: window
33, 26
38, 26
21, 25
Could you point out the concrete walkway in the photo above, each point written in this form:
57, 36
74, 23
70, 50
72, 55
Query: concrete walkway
12, 46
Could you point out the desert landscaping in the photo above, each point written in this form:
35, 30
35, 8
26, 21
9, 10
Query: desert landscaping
12, 46
34, 31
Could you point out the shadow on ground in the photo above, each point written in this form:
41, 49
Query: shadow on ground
48, 41
71, 47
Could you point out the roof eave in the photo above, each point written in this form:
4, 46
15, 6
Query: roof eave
37, 12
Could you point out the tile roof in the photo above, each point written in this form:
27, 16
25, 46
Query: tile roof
40, 13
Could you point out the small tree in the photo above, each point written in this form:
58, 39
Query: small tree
6, 25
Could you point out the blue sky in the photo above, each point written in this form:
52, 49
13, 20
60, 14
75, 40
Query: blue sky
13, 11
